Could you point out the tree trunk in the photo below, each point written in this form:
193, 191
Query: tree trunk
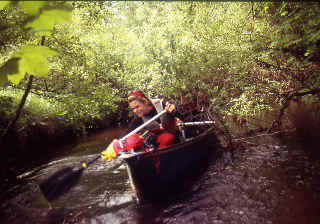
22, 103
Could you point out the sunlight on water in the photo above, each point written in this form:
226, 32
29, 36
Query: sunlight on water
116, 200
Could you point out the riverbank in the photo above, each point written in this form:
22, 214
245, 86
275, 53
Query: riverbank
45, 124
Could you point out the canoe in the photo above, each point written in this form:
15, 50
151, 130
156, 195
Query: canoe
156, 174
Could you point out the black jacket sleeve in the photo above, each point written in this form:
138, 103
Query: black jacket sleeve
134, 123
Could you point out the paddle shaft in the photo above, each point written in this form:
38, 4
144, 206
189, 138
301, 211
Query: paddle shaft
196, 123
85, 165
66, 178
143, 125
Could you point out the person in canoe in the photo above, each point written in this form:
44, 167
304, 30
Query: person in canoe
158, 134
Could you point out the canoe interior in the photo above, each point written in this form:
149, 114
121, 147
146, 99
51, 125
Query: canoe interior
176, 163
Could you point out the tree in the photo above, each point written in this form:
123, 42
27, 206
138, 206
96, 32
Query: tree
36, 17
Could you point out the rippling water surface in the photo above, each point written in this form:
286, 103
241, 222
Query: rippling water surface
102, 194
249, 191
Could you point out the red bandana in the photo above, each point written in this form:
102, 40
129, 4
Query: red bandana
137, 93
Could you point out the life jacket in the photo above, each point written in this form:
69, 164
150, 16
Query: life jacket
136, 141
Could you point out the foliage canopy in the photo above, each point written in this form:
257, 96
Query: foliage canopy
244, 57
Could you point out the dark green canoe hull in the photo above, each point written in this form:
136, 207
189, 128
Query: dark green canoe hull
153, 176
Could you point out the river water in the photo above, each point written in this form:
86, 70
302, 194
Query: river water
101, 195
256, 188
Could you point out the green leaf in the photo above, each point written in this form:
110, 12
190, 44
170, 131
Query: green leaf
310, 51
33, 61
49, 18
3, 4
307, 53
3, 79
9, 68
32, 7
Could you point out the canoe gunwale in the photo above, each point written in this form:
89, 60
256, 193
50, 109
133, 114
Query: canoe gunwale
178, 146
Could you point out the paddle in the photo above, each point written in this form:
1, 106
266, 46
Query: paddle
61, 181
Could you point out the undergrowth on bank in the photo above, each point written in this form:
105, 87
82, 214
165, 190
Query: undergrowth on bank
41, 111
299, 129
